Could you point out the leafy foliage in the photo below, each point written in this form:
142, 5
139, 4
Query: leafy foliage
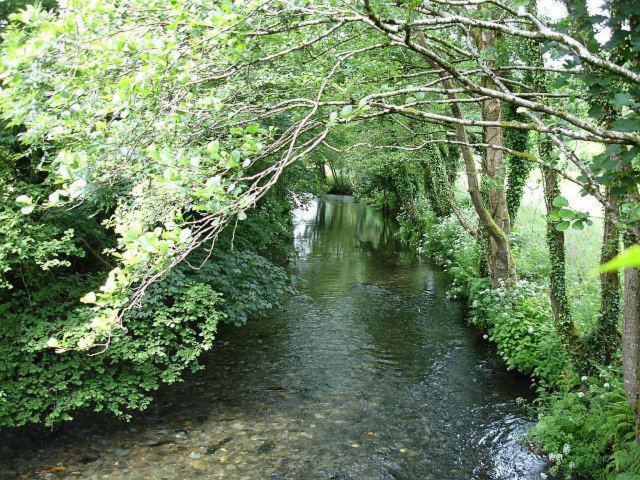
175, 324
165, 336
581, 428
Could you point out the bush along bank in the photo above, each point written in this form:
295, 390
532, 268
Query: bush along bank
585, 423
165, 336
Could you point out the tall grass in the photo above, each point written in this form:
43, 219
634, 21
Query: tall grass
582, 255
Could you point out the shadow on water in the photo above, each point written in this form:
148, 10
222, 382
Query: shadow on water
369, 372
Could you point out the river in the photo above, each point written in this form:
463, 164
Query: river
368, 373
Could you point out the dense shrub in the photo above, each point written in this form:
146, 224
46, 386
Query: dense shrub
446, 244
162, 339
519, 322
589, 431
249, 283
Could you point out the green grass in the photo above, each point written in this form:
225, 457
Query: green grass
583, 255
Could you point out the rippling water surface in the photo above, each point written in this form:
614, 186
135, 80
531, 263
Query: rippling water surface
370, 372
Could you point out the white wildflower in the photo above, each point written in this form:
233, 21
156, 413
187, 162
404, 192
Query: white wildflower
556, 457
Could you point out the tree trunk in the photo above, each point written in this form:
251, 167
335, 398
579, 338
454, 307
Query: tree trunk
504, 270
518, 167
504, 266
436, 182
560, 310
604, 339
499, 261
557, 274
631, 331
631, 338
322, 174
334, 176
451, 156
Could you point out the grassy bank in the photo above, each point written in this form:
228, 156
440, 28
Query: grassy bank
585, 424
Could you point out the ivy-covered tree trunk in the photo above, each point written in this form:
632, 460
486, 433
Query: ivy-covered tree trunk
451, 155
518, 167
604, 339
561, 312
557, 273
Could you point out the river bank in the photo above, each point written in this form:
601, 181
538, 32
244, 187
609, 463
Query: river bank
575, 411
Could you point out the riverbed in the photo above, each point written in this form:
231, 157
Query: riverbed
369, 372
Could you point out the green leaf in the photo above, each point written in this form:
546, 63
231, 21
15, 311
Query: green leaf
622, 99
566, 214
253, 128
124, 83
560, 201
89, 298
213, 148
629, 257
562, 226
626, 125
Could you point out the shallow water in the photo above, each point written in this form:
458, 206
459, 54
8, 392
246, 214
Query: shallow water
370, 372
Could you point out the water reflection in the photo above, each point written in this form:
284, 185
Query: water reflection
368, 373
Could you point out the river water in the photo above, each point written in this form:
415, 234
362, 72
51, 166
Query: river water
368, 373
